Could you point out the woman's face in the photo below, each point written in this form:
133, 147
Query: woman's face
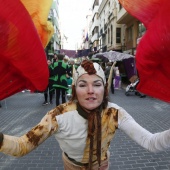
90, 91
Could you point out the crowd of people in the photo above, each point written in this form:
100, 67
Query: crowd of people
61, 77
61, 72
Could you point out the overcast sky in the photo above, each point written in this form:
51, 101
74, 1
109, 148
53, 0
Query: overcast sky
73, 19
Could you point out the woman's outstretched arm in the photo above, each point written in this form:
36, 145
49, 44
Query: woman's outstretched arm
152, 142
20, 146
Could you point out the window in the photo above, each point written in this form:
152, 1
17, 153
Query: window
120, 6
108, 36
96, 3
111, 34
95, 30
118, 35
109, 4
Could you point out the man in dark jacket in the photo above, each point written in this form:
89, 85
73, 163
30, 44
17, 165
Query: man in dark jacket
50, 89
60, 81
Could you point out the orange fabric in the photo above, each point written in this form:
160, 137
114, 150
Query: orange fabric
38, 11
23, 62
152, 57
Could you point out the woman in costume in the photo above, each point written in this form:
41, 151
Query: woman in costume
85, 126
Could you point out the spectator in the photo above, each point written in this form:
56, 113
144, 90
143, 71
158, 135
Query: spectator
66, 59
70, 67
54, 59
50, 90
60, 83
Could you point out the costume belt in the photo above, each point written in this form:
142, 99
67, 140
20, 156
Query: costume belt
75, 162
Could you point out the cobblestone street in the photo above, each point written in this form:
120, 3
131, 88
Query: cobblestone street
22, 111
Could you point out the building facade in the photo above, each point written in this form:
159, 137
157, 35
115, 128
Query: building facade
55, 42
112, 28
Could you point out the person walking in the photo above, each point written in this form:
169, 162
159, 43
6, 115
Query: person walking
60, 81
85, 126
48, 93
70, 67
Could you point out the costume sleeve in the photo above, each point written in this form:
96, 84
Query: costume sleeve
20, 146
152, 142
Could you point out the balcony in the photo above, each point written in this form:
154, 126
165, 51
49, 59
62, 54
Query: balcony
94, 24
102, 5
123, 17
95, 37
95, 10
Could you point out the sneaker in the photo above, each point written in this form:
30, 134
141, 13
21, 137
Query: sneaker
45, 103
142, 96
50, 102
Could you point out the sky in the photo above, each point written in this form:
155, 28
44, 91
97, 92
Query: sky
72, 14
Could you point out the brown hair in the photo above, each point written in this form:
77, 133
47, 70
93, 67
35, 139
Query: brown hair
88, 67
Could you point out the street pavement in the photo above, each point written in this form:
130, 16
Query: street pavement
22, 111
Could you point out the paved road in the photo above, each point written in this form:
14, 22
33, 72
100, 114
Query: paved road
24, 110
